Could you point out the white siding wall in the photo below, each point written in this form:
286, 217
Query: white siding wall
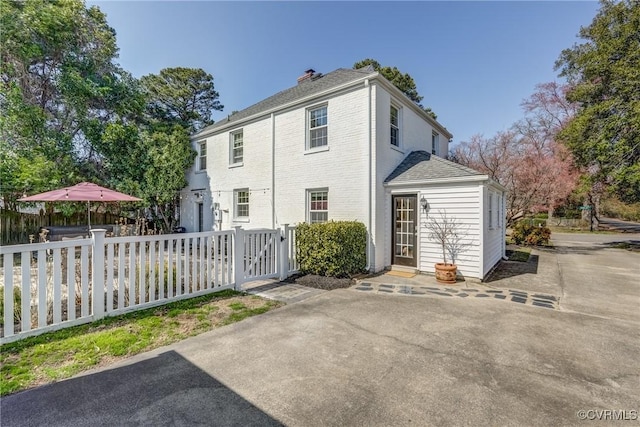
494, 237
469, 204
463, 203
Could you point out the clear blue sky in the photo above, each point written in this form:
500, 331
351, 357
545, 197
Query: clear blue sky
474, 62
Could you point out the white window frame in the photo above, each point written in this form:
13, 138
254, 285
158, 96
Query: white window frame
310, 195
311, 129
395, 126
232, 147
202, 156
435, 142
236, 204
491, 210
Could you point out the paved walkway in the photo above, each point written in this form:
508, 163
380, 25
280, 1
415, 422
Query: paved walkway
511, 295
281, 291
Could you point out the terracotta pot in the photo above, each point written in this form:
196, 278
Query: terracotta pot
446, 273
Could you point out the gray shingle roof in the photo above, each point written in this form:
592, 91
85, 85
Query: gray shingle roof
422, 166
316, 84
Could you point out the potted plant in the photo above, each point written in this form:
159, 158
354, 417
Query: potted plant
450, 235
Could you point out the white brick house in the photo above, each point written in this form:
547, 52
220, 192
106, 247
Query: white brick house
347, 145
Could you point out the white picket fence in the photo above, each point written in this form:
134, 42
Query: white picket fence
49, 286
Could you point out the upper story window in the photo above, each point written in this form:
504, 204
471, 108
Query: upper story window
435, 140
395, 126
241, 202
236, 148
318, 205
317, 127
202, 155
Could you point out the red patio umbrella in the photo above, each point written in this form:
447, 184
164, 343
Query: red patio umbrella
82, 192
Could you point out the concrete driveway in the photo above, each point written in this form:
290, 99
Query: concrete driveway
348, 357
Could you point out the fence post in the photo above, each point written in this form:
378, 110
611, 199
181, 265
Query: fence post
283, 245
97, 273
238, 257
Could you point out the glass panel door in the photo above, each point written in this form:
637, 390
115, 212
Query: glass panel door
404, 230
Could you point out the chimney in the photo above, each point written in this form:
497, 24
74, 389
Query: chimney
307, 75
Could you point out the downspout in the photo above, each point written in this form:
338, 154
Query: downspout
370, 160
504, 224
273, 171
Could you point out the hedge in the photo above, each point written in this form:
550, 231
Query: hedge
335, 248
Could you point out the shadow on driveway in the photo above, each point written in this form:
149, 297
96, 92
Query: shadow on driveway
163, 390
508, 269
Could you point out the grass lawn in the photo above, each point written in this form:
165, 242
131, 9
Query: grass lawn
54, 356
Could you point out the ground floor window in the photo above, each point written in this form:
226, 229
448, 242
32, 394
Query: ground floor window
241, 202
317, 205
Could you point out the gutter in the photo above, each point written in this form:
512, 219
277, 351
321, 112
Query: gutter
453, 180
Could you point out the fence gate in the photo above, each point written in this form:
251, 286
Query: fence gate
259, 254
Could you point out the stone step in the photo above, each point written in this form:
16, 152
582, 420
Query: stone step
404, 269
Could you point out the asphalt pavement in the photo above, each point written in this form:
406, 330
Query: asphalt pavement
620, 225
351, 357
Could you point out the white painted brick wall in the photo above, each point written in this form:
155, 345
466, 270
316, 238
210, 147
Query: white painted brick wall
188, 210
415, 134
343, 168
254, 174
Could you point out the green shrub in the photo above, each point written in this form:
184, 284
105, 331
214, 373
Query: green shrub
527, 233
614, 208
17, 305
336, 248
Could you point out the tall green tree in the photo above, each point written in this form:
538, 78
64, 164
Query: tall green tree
186, 96
149, 157
59, 88
402, 81
69, 112
604, 74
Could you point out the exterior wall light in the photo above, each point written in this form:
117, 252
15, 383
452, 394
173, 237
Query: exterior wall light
424, 203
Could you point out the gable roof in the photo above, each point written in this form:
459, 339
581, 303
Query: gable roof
316, 84
422, 166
